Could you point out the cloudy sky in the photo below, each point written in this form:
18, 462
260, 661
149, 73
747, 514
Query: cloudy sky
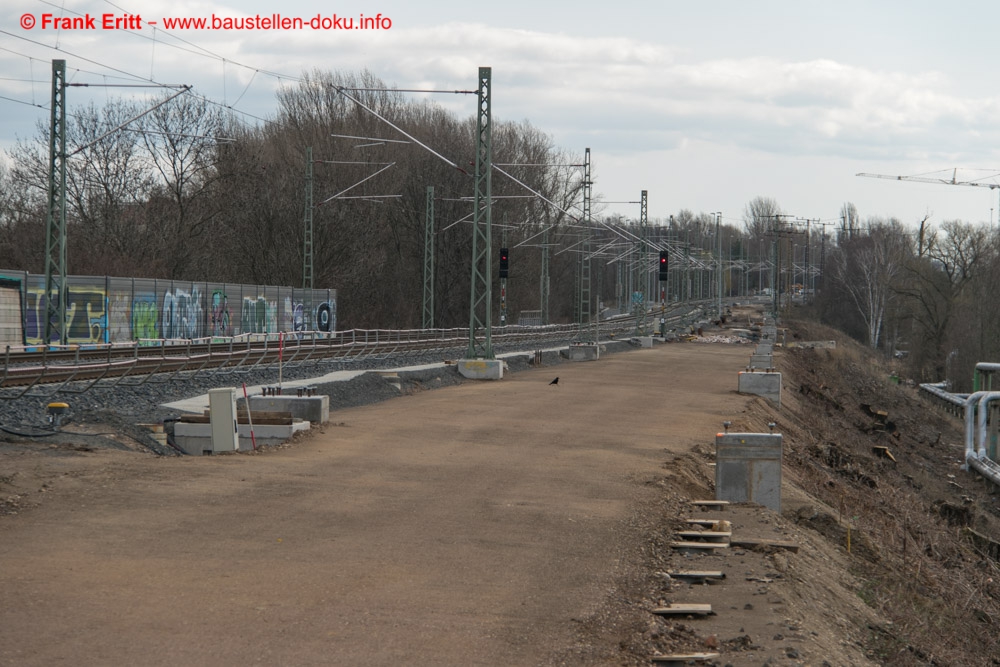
704, 104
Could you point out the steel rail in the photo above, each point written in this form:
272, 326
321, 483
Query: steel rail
158, 361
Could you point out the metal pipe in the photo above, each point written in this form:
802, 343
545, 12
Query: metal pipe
987, 468
970, 426
987, 397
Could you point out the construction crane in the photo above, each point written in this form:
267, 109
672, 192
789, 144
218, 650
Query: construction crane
926, 178
929, 178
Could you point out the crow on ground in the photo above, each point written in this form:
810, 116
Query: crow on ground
556, 381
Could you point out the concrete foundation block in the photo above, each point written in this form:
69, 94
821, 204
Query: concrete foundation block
764, 384
645, 341
315, 409
748, 468
481, 369
761, 361
586, 352
196, 439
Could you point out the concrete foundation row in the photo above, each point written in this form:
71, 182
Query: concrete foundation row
760, 378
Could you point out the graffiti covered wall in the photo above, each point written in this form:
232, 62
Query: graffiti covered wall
103, 310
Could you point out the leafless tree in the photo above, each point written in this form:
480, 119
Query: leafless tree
759, 216
867, 267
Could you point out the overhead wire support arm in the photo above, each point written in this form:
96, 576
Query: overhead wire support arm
130, 120
343, 91
366, 178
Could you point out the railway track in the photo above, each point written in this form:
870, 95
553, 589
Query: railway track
137, 363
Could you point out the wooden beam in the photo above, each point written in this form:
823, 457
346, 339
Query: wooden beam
753, 543
683, 658
684, 609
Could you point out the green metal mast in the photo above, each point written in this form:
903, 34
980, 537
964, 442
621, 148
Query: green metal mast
543, 302
641, 273
480, 303
428, 318
55, 227
584, 311
307, 235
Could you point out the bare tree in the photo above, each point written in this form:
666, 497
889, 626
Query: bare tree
180, 138
759, 217
867, 266
850, 222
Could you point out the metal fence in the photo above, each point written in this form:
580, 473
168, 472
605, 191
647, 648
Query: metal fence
113, 310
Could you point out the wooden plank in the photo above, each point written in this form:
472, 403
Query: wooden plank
718, 504
683, 658
684, 609
704, 534
752, 543
702, 522
698, 574
699, 545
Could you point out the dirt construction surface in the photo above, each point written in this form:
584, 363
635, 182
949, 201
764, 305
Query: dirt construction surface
505, 523
471, 525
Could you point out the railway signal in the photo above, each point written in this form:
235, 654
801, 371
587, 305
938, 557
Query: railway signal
504, 265
663, 265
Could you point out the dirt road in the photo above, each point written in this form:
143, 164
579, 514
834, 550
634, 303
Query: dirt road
470, 525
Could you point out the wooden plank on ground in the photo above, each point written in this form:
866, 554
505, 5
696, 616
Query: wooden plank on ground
698, 575
699, 545
754, 543
684, 609
683, 658
704, 534
703, 522
717, 504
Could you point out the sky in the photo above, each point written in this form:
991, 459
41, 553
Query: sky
705, 105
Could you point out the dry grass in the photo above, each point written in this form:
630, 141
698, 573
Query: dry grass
916, 564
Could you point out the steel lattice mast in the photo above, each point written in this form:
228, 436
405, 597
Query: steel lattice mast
641, 282
427, 322
480, 303
307, 232
583, 308
55, 226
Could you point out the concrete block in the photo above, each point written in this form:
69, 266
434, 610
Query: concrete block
765, 384
645, 341
761, 361
748, 468
481, 369
315, 409
585, 352
196, 439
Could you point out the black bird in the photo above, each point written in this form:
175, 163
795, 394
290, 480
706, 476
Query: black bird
556, 381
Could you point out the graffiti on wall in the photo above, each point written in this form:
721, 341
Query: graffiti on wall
119, 316
182, 313
145, 317
106, 309
259, 316
220, 314
326, 316
86, 315
293, 316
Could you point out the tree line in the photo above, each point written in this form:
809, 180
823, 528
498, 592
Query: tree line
190, 191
